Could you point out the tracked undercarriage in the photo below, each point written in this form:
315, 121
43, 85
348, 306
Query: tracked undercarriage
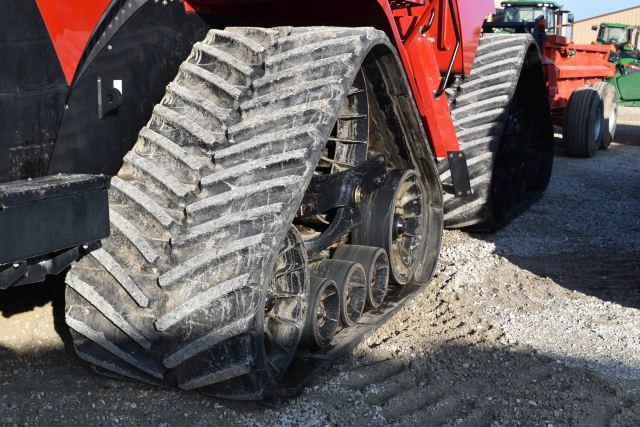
502, 122
273, 153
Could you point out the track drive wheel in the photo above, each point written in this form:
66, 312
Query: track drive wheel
584, 123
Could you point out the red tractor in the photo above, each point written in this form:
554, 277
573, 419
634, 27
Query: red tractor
281, 172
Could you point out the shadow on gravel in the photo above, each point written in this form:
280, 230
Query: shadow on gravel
25, 298
21, 299
628, 134
584, 233
455, 383
609, 275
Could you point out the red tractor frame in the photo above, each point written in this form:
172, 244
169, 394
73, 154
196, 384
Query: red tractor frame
412, 25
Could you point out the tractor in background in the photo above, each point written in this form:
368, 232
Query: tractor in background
582, 102
624, 37
518, 12
627, 81
626, 57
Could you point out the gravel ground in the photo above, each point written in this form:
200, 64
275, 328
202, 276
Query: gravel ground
536, 324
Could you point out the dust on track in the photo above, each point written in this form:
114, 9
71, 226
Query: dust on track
536, 324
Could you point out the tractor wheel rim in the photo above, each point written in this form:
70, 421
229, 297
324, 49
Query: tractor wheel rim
346, 148
354, 296
379, 275
406, 227
598, 125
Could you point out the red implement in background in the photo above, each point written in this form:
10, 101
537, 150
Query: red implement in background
570, 66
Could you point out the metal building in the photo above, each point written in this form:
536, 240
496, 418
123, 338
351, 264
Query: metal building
582, 32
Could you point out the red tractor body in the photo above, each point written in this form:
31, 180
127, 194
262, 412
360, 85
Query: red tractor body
432, 38
70, 24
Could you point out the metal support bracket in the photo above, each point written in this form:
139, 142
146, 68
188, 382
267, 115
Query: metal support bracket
348, 188
109, 97
459, 173
445, 79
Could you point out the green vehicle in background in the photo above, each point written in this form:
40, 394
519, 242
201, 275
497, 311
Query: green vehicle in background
624, 37
627, 59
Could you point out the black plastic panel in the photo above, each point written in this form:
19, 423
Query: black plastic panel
32, 92
144, 55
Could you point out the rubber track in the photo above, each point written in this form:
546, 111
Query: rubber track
479, 105
202, 203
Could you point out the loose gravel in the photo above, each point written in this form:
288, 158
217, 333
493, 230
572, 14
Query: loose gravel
537, 324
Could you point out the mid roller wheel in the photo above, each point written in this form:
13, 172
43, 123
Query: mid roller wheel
351, 280
376, 266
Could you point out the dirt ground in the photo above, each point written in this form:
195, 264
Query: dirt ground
537, 324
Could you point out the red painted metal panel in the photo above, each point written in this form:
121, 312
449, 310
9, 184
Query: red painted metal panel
571, 66
472, 14
70, 24
425, 55
420, 63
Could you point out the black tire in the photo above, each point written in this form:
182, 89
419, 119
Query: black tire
507, 74
609, 97
583, 123
204, 201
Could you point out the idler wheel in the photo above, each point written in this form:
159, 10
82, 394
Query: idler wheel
395, 219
